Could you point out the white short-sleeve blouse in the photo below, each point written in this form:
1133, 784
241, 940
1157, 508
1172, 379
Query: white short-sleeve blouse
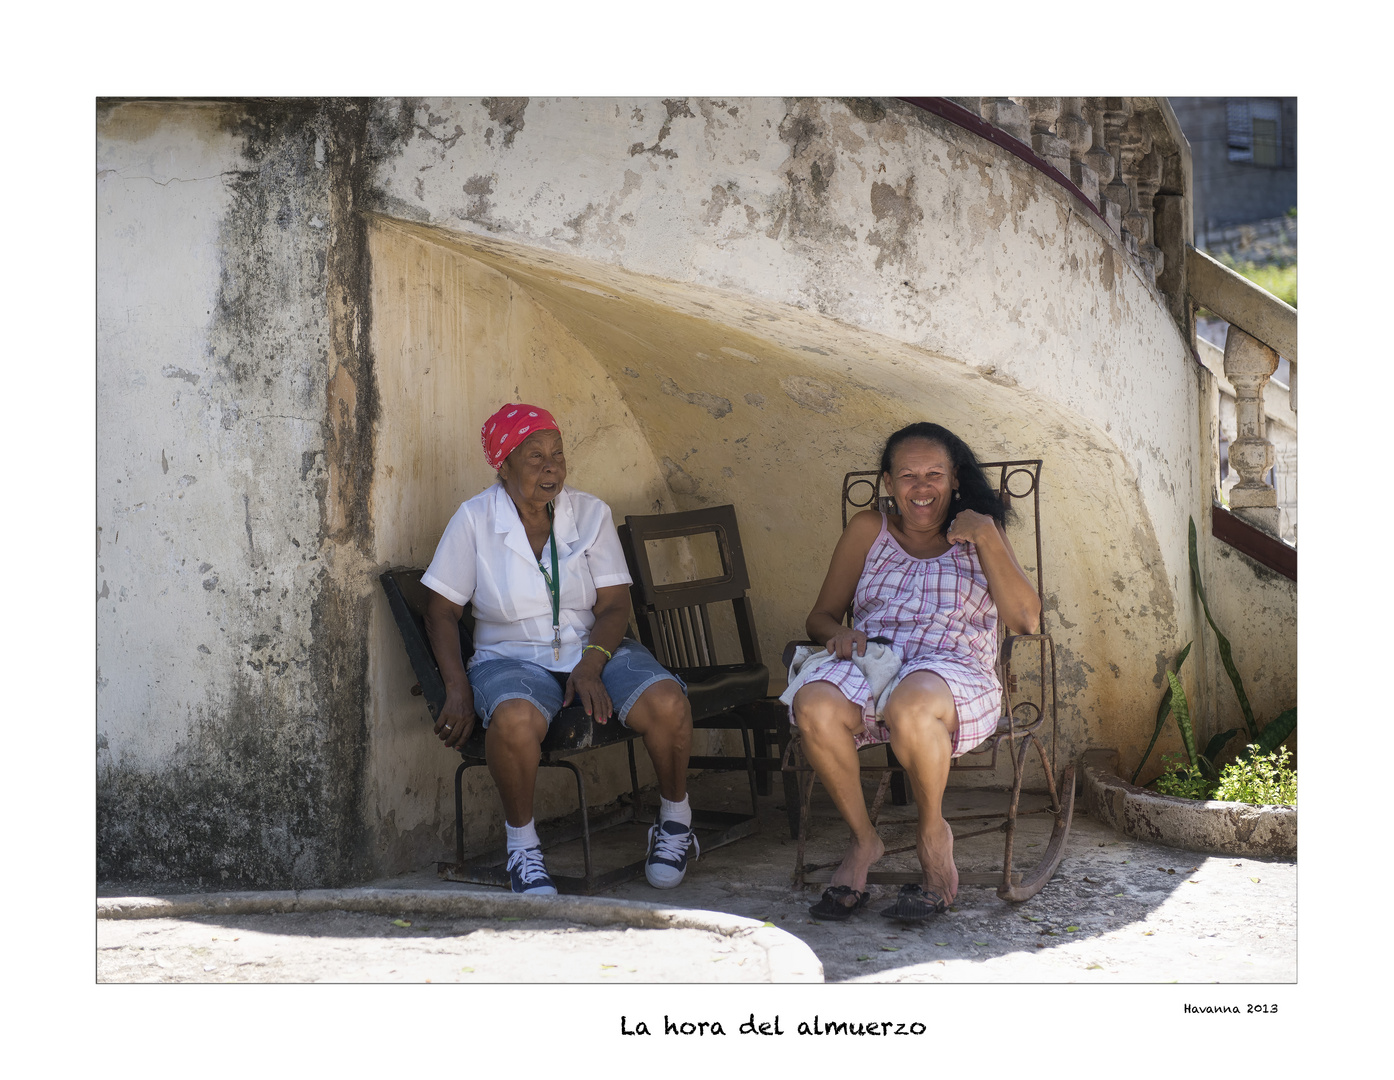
485, 559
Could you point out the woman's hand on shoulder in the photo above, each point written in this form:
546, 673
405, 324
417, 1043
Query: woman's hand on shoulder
971, 527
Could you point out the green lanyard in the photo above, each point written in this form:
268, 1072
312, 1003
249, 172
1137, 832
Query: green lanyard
553, 586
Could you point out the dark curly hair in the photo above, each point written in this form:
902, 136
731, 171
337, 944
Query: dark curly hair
974, 492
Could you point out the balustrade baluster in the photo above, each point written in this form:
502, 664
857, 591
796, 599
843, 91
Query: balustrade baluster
1149, 180
1114, 113
1044, 140
1007, 115
1078, 135
1249, 364
1134, 144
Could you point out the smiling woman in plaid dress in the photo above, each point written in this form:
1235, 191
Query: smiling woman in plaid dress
932, 578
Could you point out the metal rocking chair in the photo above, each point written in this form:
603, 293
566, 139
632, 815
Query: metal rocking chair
1021, 727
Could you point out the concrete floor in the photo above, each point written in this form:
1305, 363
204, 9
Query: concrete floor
1117, 911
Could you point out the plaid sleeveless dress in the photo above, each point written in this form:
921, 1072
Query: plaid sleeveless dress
939, 616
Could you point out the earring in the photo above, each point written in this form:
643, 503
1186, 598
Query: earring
956, 497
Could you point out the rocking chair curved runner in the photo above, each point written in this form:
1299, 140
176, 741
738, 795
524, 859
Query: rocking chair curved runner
1028, 700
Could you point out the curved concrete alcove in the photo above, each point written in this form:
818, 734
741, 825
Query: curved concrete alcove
723, 299
674, 396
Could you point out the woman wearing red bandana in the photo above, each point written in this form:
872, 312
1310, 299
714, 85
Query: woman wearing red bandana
542, 567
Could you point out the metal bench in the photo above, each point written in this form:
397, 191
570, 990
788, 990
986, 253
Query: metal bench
571, 733
717, 694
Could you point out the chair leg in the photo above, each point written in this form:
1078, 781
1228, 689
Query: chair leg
1018, 775
762, 750
585, 824
460, 814
783, 736
899, 794
887, 777
754, 783
791, 803
805, 813
1062, 802
634, 781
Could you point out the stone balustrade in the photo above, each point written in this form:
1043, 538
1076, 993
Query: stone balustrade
1119, 153
1261, 327
1126, 157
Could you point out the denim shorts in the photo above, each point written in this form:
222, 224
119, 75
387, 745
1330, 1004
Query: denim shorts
630, 672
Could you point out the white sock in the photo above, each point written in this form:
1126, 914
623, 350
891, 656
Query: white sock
675, 811
524, 836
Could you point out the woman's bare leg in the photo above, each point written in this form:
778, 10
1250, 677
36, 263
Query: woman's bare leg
922, 718
513, 748
827, 722
663, 717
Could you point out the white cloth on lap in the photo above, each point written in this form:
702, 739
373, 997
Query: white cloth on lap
880, 666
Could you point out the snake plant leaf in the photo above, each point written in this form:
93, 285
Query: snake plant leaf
1218, 743
1226, 658
1182, 712
1163, 711
1278, 729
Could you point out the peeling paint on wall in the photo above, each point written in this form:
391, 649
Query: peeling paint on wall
264, 783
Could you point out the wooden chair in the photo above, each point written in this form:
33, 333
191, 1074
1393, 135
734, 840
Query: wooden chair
572, 732
675, 601
1026, 667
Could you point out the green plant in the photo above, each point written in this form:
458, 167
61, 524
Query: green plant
1202, 765
1174, 704
1182, 780
1272, 734
1260, 778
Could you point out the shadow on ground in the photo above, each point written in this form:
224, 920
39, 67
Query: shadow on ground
1118, 910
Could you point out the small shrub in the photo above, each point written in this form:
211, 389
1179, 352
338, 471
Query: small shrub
1259, 779
1181, 779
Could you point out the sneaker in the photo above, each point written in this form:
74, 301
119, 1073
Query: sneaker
528, 875
667, 861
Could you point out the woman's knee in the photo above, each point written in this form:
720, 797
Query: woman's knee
822, 711
517, 723
662, 707
919, 697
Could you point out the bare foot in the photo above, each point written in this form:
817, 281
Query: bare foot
937, 859
857, 863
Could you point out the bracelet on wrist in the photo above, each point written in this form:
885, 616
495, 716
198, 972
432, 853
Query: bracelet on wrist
599, 648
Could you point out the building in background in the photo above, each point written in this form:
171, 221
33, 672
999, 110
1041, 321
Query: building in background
1244, 159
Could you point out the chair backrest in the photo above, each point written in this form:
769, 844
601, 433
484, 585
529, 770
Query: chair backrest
408, 599
672, 604
1018, 483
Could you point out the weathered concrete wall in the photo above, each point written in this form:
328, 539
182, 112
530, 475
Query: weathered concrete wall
453, 339
1254, 607
235, 414
739, 299
827, 271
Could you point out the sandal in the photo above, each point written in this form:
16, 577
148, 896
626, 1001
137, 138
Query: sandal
833, 904
914, 905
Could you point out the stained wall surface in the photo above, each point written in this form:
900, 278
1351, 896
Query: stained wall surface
453, 339
776, 285
306, 310
235, 415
